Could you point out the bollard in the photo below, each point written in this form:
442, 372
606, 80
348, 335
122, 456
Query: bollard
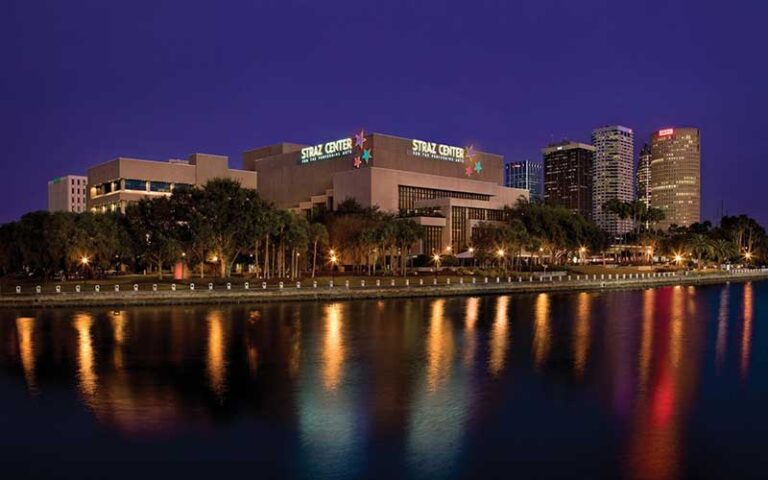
378, 283
421, 281
407, 282
18, 289
392, 282
330, 284
602, 276
117, 288
609, 276
281, 285
434, 281
569, 278
246, 285
173, 287
541, 278
77, 288
97, 288
474, 280
229, 286
154, 287
38, 289
298, 284
362, 283
135, 287
346, 283
519, 279
192, 287
58, 288
461, 280
497, 279
263, 285
447, 281
314, 283
210, 286
509, 279
486, 279
530, 279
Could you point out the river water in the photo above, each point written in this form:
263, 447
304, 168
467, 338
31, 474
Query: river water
658, 383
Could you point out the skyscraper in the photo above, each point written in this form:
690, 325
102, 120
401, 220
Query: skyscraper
612, 175
676, 175
643, 177
527, 175
568, 176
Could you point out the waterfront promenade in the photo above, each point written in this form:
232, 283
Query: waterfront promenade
116, 293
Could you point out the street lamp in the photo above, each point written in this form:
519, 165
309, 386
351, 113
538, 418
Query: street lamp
500, 254
678, 259
748, 256
436, 259
84, 261
582, 252
334, 261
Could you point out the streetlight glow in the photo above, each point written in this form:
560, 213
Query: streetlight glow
84, 260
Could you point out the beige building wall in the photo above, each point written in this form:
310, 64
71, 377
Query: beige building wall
279, 165
676, 175
130, 179
67, 194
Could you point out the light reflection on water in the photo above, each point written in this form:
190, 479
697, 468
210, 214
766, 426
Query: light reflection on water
446, 387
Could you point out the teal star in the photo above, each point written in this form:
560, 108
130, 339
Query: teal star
367, 155
478, 167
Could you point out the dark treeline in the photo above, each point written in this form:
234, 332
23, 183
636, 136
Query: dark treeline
222, 225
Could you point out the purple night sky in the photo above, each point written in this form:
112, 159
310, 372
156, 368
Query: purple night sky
85, 81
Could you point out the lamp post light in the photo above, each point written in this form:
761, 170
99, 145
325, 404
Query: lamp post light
436, 259
748, 256
500, 254
678, 259
472, 253
334, 261
582, 254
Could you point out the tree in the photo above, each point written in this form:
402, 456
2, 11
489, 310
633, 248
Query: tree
318, 235
154, 231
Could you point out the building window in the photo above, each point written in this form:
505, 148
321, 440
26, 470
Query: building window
432, 239
164, 187
132, 184
407, 196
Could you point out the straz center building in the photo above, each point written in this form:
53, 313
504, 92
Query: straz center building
447, 189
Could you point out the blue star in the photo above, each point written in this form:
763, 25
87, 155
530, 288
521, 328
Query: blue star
367, 155
478, 167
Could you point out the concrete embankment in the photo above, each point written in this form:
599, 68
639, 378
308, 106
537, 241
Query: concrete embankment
183, 295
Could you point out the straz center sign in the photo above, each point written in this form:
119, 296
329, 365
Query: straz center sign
437, 151
325, 151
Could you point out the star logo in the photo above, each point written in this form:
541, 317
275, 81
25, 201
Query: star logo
471, 153
360, 138
468, 170
366, 155
358, 162
478, 167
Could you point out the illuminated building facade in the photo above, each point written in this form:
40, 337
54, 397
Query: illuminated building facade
114, 184
67, 194
568, 176
676, 175
447, 189
612, 177
643, 176
526, 175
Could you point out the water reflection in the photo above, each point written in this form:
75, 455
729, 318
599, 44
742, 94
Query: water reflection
415, 386
746, 335
439, 347
86, 358
333, 346
581, 337
216, 361
499, 336
25, 327
541, 329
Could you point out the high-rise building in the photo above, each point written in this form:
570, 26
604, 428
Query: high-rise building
568, 176
67, 194
526, 175
643, 177
612, 175
676, 175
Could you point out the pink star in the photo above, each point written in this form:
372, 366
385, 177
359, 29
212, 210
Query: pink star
468, 170
358, 162
360, 138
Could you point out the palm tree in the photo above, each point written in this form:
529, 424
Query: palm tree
318, 235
